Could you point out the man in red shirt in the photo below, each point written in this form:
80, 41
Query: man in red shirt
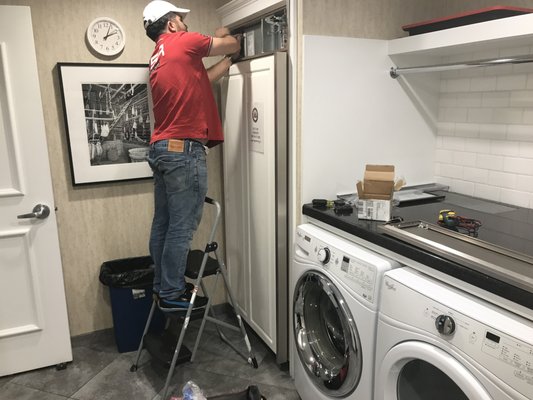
186, 123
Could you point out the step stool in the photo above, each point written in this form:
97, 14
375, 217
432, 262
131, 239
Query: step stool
199, 265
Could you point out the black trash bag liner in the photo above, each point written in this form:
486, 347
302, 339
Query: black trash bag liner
134, 272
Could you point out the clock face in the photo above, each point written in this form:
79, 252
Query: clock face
106, 36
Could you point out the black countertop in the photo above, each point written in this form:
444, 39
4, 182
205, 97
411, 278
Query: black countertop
503, 225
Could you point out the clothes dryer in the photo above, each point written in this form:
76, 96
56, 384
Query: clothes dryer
436, 342
335, 291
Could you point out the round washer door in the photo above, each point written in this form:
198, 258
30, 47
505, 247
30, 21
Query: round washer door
418, 370
327, 341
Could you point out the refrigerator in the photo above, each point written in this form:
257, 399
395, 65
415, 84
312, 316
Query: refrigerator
254, 115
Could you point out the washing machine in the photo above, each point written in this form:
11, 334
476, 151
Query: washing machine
335, 291
436, 342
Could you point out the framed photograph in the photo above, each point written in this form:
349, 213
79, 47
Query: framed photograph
109, 120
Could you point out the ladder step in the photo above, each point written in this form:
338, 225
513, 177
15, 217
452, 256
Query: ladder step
180, 315
162, 346
194, 262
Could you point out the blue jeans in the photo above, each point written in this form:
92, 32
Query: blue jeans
180, 187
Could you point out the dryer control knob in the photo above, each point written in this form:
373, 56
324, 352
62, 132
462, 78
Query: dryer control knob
323, 255
445, 324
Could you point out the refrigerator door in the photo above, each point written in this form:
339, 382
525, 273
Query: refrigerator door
254, 104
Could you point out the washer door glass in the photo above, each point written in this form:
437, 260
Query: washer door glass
327, 340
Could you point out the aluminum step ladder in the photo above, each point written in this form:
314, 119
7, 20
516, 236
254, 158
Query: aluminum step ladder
199, 265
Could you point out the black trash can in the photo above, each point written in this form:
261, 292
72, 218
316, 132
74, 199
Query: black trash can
130, 289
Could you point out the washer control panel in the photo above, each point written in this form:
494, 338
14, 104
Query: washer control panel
355, 266
497, 340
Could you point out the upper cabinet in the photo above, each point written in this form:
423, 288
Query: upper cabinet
240, 12
262, 24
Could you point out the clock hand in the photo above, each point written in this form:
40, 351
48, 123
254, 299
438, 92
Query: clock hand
107, 34
110, 34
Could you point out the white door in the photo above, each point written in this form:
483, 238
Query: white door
251, 190
34, 328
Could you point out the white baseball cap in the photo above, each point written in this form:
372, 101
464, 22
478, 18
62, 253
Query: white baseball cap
157, 8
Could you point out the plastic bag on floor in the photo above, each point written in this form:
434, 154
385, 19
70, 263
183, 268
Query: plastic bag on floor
191, 391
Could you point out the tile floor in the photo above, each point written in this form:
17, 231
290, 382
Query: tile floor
99, 371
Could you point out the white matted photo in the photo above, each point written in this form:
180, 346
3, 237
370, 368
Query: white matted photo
108, 119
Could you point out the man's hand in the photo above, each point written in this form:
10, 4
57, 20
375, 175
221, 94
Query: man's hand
235, 56
222, 32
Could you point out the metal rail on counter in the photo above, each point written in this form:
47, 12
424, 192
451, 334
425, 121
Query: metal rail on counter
395, 72
506, 265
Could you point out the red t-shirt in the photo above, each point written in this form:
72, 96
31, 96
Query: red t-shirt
184, 105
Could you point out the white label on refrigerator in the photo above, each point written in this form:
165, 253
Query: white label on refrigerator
257, 116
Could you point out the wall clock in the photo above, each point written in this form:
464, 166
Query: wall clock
106, 36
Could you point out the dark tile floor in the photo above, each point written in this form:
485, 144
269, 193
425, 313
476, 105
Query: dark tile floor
99, 371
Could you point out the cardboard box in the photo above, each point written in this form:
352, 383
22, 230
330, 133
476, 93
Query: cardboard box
377, 210
375, 193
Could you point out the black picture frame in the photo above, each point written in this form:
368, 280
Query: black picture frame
108, 120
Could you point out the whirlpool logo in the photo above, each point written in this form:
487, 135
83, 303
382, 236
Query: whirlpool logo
390, 285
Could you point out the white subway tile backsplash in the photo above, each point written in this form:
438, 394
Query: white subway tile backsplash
529, 84
504, 148
484, 143
446, 128
451, 74
444, 156
523, 68
483, 84
492, 131
452, 143
477, 146
464, 158
495, 99
458, 85
520, 133
480, 115
521, 98
463, 187
451, 171
499, 70
527, 118
502, 179
453, 114
470, 72
518, 165
515, 197
507, 115
487, 192
524, 183
490, 162
469, 99
467, 130
476, 175
448, 100
442, 180
526, 149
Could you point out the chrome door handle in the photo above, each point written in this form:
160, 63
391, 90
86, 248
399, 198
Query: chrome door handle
40, 211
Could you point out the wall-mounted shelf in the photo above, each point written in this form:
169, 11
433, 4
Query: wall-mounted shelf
502, 33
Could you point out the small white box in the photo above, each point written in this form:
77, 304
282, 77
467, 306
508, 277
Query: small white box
378, 210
